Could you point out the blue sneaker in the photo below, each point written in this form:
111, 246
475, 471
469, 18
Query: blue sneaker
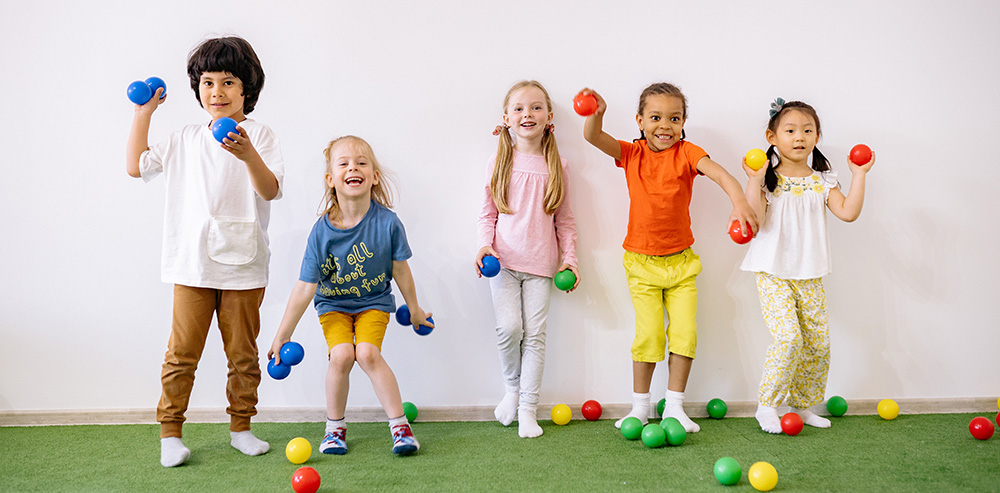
403, 441
335, 442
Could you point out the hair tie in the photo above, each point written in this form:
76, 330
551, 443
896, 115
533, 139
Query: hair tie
500, 128
776, 107
551, 128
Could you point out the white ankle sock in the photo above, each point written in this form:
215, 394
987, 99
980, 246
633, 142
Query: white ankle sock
674, 408
768, 419
640, 409
245, 442
507, 409
812, 419
527, 422
334, 425
173, 452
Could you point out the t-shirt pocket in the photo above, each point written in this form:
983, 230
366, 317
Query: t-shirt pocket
232, 241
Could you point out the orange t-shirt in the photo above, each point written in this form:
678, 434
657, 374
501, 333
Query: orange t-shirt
659, 190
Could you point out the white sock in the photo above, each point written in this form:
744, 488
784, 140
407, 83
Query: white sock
527, 422
768, 419
674, 408
640, 409
245, 442
173, 452
334, 425
507, 408
812, 419
393, 422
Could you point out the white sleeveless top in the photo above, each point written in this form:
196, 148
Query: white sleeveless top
793, 241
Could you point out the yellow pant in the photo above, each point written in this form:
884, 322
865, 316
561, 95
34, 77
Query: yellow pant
354, 328
798, 361
655, 283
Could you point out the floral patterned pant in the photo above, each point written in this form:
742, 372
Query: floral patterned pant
798, 361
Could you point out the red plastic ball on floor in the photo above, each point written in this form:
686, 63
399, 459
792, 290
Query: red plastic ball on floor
981, 428
305, 480
791, 424
591, 410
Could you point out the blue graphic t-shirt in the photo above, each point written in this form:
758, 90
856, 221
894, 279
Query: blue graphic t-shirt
353, 267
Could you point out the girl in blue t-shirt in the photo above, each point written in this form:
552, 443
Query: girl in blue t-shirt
353, 251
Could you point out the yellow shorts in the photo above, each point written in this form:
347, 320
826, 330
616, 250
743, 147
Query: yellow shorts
655, 283
354, 328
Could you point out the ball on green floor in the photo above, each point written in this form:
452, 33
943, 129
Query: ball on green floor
631, 428
410, 410
717, 408
298, 450
653, 435
676, 434
728, 471
659, 407
561, 414
888, 409
837, 406
763, 476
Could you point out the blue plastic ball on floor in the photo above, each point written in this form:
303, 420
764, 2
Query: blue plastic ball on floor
292, 353
155, 83
424, 329
491, 266
403, 315
139, 93
279, 371
222, 127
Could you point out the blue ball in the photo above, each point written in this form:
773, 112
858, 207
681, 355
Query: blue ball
491, 266
292, 353
138, 92
424, 329
155, 83
222, 127
279, 371
403, 315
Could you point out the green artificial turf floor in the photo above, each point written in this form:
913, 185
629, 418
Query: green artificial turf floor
932, 452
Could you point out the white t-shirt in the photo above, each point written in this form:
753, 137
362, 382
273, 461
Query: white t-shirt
214, 223
793, 241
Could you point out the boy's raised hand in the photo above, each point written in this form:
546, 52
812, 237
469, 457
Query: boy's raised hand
239, 145
151, 105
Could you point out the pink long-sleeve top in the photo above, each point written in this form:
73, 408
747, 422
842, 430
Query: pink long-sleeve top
529, 240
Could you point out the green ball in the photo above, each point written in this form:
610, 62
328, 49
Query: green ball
717, 408
565, 279
666, 421
659, 407
410, 411
676, 434
837, 406
631, 428
653, 435
728, 471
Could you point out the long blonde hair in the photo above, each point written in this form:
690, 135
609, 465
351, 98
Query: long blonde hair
382, 191
500, 182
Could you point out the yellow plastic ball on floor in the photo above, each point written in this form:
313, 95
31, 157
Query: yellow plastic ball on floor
763, 476
561, 414
298, 450
888, 409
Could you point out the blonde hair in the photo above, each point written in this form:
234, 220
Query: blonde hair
382, 191
500, 182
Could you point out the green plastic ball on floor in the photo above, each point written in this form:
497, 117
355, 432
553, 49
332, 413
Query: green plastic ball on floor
728, 471
653, 435
717, 408
659, 407
631, 428
676, 434
410, 410
837, 406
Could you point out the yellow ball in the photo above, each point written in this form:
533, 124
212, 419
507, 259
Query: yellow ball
756, 159
561, 414
763, 476
888, 409
298, 450
998, 402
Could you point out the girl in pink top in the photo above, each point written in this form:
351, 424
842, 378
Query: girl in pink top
527, 224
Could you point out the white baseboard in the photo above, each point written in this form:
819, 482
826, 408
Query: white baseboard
452, 413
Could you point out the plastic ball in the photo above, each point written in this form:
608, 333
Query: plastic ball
659, 407
138, 92
837, 406
155, 83
305, 480
717, 408
791, 424
631, 428
981, 428
653, 435
728, 471
292, 353
565, 279
278, 371
736, 233
222, 127
861, 154
561, 414
888, 409
403, 315
676, 434
998, 419
756, 159
591, 410
491, 266
410, 410
763, 476
298, 450
424, 329
585, 104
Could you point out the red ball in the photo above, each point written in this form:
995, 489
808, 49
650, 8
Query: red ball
981, 428
591, 410
791, 424
998, 419
305, 480
585, 104
736, 233
861, 154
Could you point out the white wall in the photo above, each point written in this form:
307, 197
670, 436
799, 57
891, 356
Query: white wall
84, 318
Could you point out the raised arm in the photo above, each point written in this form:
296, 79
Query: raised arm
261, 177
742, 211
754, 192
593, 129
138, 135
848, 208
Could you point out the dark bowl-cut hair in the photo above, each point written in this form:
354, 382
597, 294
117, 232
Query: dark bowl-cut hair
230, 54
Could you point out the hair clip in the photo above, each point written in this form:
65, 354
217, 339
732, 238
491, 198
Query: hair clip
776, 107
551, 128
500, 128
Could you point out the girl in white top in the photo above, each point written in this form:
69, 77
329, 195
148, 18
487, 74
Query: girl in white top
791, 254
